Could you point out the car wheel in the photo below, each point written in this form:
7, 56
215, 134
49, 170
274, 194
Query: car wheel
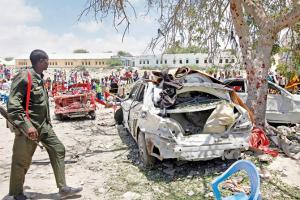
92, 115
148, 161
59, 117
119, 116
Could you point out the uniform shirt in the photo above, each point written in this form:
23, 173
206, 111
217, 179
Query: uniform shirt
38, 104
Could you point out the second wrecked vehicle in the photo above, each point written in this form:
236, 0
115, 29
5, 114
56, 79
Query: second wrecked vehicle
185, 115
77, 101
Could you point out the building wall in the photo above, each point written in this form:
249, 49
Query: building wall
190, 59
67, 63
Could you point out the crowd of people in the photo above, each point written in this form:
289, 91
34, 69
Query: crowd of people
114, 83
226, 74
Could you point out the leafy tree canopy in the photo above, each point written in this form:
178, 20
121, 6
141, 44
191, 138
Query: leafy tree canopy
124, 53
80, 51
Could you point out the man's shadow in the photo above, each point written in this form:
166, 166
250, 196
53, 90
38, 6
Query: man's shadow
37, 195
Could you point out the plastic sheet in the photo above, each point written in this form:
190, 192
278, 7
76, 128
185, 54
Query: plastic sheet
221, 117
259, 140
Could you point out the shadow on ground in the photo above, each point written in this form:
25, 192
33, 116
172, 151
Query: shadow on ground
171, 169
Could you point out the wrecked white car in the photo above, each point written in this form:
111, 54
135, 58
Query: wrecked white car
193, 120
282, 106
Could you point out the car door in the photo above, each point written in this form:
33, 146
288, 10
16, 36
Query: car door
135, 111
278, 104
129, 103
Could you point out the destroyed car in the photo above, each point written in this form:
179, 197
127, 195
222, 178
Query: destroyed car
77, 101
282, 106
200, 122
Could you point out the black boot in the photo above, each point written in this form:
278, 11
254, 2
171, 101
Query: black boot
69, 191
21, 197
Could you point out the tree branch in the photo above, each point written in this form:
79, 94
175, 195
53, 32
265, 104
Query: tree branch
288, 19
240, 25
256, 10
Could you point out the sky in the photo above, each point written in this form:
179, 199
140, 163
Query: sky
52, 25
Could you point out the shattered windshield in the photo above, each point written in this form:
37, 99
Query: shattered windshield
194, 98
197, 78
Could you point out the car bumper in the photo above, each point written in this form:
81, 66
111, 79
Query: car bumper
228, 148
81, 112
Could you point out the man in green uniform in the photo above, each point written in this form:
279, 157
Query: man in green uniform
37, 125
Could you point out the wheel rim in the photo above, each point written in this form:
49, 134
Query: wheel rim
141, 151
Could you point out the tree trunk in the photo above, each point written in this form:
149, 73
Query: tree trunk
257, 75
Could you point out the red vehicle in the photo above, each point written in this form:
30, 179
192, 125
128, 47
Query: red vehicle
77, 101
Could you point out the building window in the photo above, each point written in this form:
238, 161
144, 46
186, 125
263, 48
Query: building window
103, 63
187, 61
144, 62
220, 61
197, 60
148, 62
55, 63
210, 60
174, 61
66, 63
157, 62
160, 61
166, 61
71, 63
82, 63
226, 60
232, 60
205, 61
96, 63
89, 63
180, 61
140, 62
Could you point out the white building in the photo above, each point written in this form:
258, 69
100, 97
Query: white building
200, 60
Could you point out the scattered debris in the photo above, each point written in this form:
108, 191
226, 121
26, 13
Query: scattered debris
131, 196
191, 193
265, 158
169, 171
286, 139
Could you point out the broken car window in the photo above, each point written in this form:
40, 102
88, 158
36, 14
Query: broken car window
196, 78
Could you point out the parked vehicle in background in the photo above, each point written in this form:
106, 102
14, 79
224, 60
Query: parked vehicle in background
77, 101
202, 123
282, 106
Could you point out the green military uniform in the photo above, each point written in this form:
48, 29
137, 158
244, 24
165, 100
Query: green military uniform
24, 148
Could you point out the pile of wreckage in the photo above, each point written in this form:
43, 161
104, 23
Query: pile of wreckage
189, 115
287, 139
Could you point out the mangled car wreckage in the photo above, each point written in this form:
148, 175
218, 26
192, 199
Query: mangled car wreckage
77, 101
186, 115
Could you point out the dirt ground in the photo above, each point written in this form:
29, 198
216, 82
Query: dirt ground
103, 159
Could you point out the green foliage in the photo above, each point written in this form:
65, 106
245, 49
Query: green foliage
149, 68
124, 53
275, 49
227, 66
115, 62
80, 51
193, 67
287, 71
211, 70
80, 68
8, 58
176, 49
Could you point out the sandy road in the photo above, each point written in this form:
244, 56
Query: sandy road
103, 159
92, 146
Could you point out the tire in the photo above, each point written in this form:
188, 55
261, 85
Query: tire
59, 117
92, 115
119, 116
147, 160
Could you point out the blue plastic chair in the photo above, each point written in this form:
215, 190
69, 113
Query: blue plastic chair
251, 170
5, 99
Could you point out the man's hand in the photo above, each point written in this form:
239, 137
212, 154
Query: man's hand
32, 133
